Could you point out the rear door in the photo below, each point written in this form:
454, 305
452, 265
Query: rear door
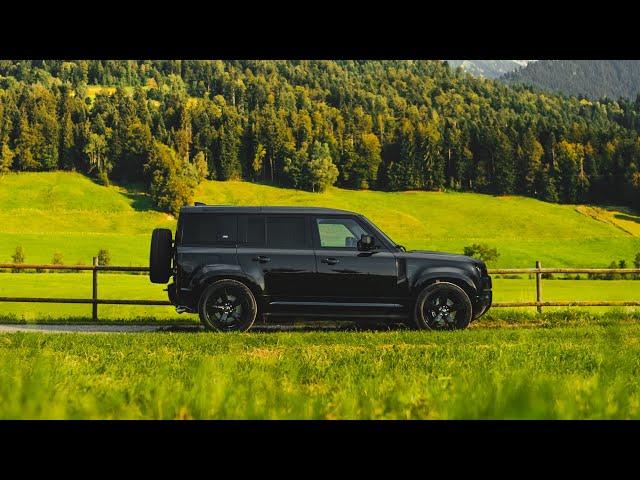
279, 250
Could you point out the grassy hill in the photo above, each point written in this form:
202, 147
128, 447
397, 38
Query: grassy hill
70, 214
523, 229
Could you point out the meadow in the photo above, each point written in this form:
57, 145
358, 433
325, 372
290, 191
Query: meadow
68, 213
560, 372
121, 286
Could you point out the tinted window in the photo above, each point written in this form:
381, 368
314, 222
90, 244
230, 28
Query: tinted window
209, 229
286, 232
255, 231
339, 232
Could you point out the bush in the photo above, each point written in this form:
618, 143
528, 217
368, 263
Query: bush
18, 257
57, 260
104, 257
482, 252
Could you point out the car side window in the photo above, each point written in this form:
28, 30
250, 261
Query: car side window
339, 232
209, 229
287, 232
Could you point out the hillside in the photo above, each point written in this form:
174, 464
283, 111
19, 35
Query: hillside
489, 68
591, 78
68, 213
385, 125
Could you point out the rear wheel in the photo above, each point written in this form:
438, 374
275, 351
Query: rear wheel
442, 306
227, 306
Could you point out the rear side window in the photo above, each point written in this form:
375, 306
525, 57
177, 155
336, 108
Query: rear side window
209, 229
252, 230
287, 232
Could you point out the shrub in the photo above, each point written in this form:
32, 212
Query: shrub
104, 257
18, 257
57, 260
482, 252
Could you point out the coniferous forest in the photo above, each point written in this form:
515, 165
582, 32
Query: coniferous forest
389, 125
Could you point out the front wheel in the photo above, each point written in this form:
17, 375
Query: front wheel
227, 306
442, 306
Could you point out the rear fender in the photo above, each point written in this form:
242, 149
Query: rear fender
208, 274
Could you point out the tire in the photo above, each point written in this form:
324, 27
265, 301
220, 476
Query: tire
160, 256
227, 306
477, 314
434, 309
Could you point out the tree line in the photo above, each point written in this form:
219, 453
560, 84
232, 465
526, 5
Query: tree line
390, 125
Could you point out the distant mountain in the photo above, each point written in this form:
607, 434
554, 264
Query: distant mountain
591, 78
489, 68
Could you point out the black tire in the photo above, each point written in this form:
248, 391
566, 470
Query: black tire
160, 256
478, 313
442, 306
227, 306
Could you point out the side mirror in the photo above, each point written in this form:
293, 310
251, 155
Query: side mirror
366, 243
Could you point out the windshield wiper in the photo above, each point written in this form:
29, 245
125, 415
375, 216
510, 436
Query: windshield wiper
401, 247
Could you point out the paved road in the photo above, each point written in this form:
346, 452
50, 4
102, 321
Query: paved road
52, 328
86, 328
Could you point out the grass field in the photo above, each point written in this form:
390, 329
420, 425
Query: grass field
78, 285
68, 213
586, 372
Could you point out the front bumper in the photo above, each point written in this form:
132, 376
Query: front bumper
483, 299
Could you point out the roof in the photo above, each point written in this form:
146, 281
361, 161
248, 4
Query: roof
265, 210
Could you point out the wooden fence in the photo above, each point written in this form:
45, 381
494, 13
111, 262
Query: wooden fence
94, 301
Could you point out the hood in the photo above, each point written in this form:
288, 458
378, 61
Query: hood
453, 257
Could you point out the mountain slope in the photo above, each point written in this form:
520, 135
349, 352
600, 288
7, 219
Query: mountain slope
591, 78
489, 68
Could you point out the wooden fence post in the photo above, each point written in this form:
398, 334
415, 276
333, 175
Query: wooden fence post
94, 314
538, 285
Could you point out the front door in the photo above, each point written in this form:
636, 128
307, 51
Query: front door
347, 277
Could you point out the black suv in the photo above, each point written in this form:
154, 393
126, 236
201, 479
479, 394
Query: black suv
232, 265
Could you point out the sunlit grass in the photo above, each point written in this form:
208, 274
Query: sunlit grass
586, 372
68, 213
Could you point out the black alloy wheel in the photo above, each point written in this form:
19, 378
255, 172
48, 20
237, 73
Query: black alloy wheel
443, 306
227, 306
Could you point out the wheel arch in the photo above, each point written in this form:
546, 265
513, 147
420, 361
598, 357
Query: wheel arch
451, 276
206, 278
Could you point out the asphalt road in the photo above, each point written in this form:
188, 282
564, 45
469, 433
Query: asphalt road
105, 328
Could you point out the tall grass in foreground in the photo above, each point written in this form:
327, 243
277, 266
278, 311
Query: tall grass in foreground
563, 372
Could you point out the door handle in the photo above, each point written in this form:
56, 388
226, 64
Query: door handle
330, 261
261, 259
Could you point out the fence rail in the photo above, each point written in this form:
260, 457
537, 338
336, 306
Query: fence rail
94, 301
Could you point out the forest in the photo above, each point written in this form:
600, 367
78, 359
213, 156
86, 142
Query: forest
388, 125
590, 78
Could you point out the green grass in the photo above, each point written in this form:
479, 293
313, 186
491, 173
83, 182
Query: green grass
78, 285
586, 372
70, 214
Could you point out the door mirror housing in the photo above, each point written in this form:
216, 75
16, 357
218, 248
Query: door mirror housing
366, 243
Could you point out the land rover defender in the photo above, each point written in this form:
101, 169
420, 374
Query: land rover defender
233, 265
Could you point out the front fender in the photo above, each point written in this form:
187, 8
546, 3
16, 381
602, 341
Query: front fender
450, 274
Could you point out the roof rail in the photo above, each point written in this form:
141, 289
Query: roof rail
199, 204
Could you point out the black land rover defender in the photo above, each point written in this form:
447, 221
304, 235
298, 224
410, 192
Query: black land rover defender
232, 265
